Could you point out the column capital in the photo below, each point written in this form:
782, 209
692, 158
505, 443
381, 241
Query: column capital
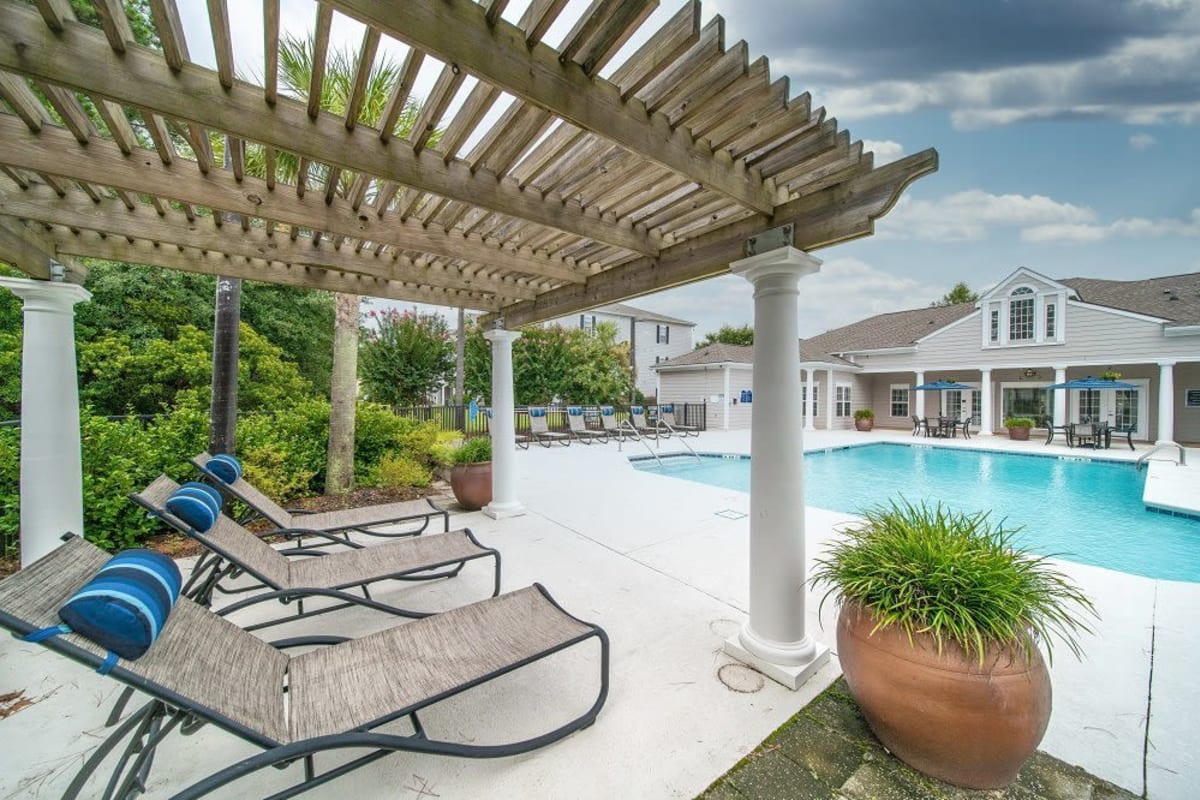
985, 370
1166, 363
501, 335
46, 295
1059, 367
783, 261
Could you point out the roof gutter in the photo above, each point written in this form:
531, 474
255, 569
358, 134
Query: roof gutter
1182, 330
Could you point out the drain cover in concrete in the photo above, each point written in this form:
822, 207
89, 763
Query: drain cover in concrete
740, 678
729, 513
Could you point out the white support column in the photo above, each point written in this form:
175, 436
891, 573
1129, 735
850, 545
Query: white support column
1166, 402
774, 640
829, 399
728, 404
986, 423
1060, 396
51, 464
919, 399
808, 402
504, 448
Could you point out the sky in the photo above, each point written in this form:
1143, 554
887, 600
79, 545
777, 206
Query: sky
1068, 135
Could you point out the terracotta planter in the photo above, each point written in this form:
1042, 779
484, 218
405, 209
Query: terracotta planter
946, 714
1018, 434
863, 424
472, 484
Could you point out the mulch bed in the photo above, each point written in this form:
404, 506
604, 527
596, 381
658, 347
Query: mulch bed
177, 545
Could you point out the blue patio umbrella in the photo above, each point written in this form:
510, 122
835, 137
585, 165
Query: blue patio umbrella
1091, 383
941, 386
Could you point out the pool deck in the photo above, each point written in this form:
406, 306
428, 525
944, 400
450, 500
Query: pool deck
661, 563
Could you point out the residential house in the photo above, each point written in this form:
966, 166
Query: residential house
1023, 335
653, 338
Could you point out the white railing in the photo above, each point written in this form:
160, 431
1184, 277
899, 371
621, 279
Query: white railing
1144, 457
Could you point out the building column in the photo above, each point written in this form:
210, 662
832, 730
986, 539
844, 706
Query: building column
919, 400
774, 640
728, 404
1166, 402
808, 399
504, 447
829, 401
986, 423
1060, 396
51, 463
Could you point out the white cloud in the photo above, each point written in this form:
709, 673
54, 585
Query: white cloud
1126, 228
969, 215
1142, 141
886, 151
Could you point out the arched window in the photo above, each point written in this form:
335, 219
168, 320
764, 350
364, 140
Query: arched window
1020, 315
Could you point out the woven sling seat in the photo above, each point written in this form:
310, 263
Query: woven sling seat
362, 519
203, 668
323, 571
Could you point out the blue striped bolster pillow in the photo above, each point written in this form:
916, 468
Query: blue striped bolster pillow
537, 412
606, 411
124, 607
225, 468
667, 409
196, 504
575, 411
636, 409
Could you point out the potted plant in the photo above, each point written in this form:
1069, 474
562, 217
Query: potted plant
471, 475
1018, 428
864, 419
1111, 375
941, 617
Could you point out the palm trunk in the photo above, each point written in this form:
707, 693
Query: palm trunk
342, 395
459, 371
222, 432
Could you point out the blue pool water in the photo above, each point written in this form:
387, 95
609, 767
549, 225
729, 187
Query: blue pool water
1080, 510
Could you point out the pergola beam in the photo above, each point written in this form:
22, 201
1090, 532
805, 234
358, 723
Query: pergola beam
81, 58
457, 31
142, 251
837, 214
54, 151
31, 250
78, 212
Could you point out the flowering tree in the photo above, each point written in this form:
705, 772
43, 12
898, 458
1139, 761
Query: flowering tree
404, 356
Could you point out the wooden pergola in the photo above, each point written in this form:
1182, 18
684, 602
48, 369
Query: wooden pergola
685, 162
585, 191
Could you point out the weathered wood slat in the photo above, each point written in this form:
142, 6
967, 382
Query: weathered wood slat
707, 49
537, 19
479, 101
837, 214
170, 32
218, 22
160, 135
362, 74
509, 137
23, 101
114, 23
594, 52
661, 50
564, 137
457, 32
81, 58
70, 111
400, 93
494, 9
444, 88
117, 124
270, 51
56, 13
31, 250
703, 86
316, 81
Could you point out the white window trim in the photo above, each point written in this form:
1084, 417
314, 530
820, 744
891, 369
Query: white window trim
1141, 432
1041, 299
909, 394
849, 401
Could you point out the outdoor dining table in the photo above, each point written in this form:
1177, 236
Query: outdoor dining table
942, 427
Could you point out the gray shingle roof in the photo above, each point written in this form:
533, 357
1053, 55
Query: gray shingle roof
641, 314
1174, 297
894, 329
741, 354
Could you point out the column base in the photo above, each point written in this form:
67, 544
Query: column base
983, 433
504, 510
793, 676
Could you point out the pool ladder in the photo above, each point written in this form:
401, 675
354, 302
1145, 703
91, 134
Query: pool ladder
1144, 457
627, 427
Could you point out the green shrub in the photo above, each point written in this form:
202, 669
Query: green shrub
864, 413
442, 452
286, 449
1018, 422
955, 576
473, 451
378, 431
395, 471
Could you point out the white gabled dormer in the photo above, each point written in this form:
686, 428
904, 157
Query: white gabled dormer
1024, 309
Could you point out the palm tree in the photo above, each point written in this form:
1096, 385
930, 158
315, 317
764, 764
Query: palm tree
295, 77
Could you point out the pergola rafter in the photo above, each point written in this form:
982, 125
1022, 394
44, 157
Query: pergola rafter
583, 190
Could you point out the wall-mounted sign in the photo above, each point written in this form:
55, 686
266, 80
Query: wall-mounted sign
1193, 398
747, 396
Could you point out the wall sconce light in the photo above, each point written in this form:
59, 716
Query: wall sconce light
1030, 373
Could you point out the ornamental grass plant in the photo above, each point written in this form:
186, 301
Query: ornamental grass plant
474, 451
956, 576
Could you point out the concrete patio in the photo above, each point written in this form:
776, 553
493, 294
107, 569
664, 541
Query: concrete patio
651, 559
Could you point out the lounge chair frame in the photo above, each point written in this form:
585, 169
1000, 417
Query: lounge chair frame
217, 566
668, 419
263, 507
580, 432
145, 729
539, 431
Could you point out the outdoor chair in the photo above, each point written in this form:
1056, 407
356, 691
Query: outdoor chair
539, 432
919, 425
1051, 429
226, 475
298, 571
637, 418
964, 425
579, 429
1084, 435
667, 415
608, 421
201, 668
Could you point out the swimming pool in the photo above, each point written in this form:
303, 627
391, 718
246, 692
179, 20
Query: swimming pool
1078, 509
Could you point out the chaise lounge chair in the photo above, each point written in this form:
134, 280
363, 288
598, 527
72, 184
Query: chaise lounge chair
228, 478
637, 418
540, 433
202, 668
667, 415
608, 422
579, 429
234, 552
